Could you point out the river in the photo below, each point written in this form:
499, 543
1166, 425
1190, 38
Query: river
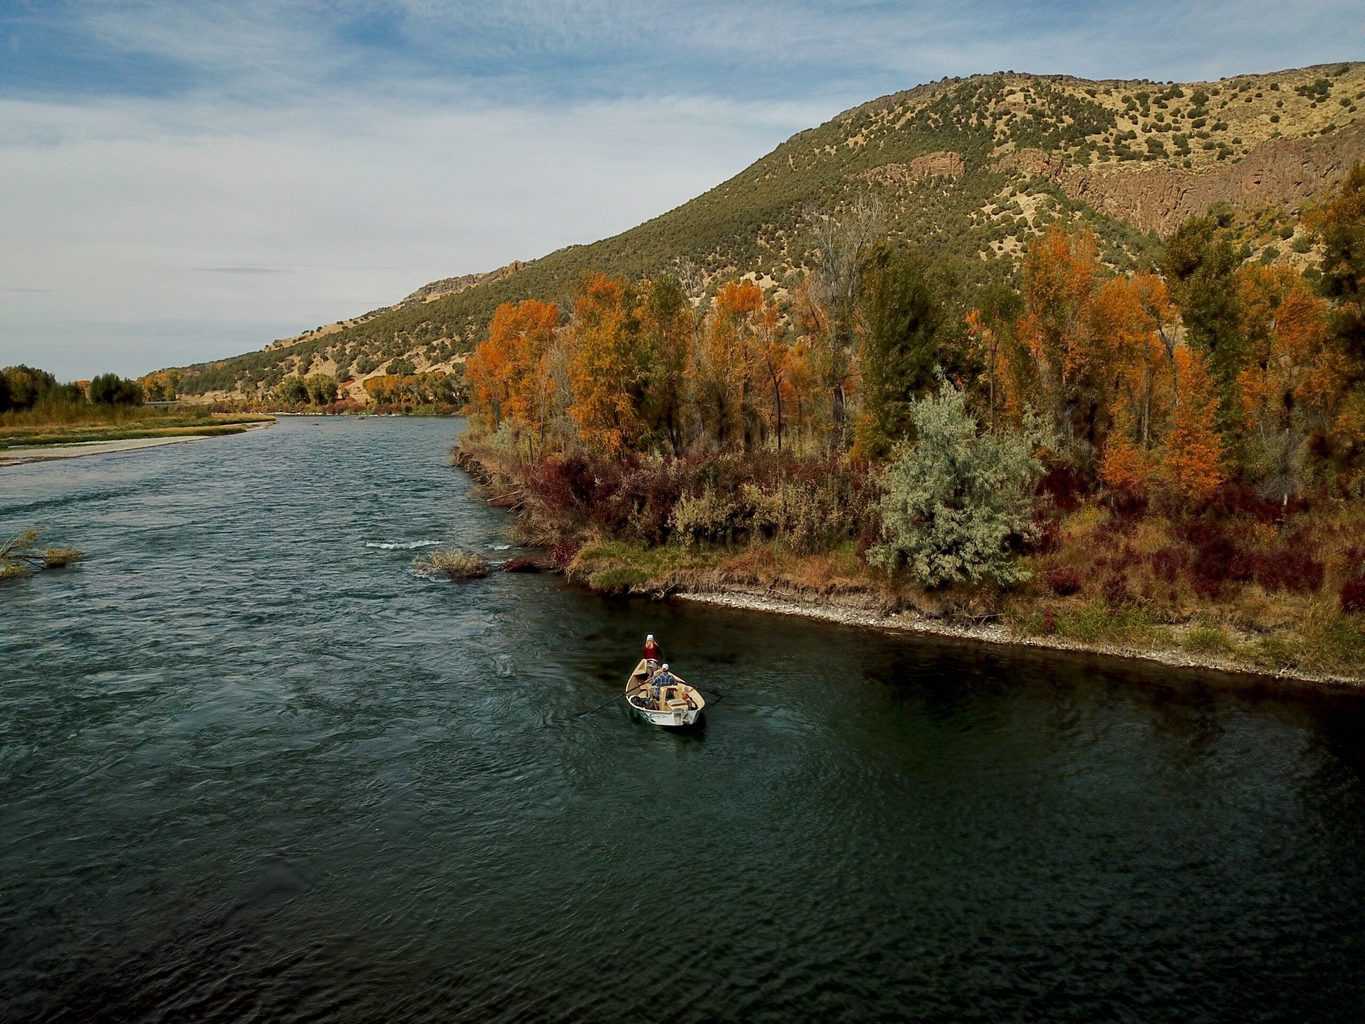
252, 767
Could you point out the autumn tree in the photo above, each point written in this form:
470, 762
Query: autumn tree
488, 375
1295, 377
990, 330
522, 333
605, 365
772, 361
1192, 460
843, 246
724, 368
1061, 275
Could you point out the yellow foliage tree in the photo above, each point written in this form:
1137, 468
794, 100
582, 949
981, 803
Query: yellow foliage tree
604, 367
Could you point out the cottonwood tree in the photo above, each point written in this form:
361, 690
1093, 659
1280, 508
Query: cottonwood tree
843, 245
604, 368
1193, 456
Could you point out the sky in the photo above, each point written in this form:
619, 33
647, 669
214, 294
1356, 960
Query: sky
185, 180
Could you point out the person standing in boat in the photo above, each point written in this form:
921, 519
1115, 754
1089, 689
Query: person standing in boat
651, 651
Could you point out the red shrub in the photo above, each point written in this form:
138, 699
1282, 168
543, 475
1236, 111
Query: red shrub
1064, 581
1116, 592
1049, 536
1167, 562
1218, 559
1234, 498
1353, 595
1064, 485
1291, 568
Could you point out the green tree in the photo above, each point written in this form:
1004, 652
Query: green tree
955, 499
665, 318
111, 389
292, 391
1340, 224
4, 393
1200, 265
902, 319
28, 385
322, 389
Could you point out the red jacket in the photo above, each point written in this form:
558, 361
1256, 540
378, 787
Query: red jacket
652, 651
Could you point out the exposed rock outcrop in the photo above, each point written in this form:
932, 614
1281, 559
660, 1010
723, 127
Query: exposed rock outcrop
939, 164
454, 285
1281, 171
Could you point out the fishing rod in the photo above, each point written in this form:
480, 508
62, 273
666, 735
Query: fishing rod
609, 701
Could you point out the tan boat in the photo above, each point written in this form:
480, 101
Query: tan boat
679, 703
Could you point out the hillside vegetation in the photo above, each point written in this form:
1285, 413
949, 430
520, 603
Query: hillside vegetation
1168, 460
968, 170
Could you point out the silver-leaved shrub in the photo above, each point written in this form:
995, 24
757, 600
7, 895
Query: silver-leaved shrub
953, 499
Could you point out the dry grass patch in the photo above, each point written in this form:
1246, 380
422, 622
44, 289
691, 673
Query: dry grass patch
453, 564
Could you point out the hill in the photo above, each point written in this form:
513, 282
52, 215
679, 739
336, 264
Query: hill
968, 169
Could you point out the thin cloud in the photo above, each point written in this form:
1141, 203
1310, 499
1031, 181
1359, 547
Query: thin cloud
243, 270
205, 162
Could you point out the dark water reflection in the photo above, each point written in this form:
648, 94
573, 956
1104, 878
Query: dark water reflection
252, 768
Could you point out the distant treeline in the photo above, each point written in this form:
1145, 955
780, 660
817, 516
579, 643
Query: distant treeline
25, 388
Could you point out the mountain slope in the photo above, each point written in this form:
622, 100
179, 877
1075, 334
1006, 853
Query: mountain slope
965, 167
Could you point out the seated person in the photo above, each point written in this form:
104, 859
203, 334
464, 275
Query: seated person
661, 679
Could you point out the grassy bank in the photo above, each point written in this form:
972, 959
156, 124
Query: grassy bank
1249, 590
18, 430
1254, 630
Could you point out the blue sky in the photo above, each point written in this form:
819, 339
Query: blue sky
185, 180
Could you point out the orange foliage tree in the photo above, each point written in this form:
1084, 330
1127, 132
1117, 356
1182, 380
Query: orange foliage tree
723, 368
1061, 275
524, 331
605, 365
1192, 463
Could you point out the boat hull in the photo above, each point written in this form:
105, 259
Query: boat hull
680, 719
683, 707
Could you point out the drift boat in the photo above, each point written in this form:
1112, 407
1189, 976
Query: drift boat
678, 705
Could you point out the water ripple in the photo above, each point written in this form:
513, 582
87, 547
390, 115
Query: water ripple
253, 768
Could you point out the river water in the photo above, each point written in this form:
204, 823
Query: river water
252, 767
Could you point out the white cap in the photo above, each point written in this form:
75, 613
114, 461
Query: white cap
665, 667
649, 636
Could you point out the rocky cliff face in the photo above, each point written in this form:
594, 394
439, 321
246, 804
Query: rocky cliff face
1284, 172
454, 285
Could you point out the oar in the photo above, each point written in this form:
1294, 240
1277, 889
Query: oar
605, 703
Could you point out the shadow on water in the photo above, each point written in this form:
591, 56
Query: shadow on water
253, 767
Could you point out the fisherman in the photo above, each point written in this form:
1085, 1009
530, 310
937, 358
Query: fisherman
651, 651
661, 679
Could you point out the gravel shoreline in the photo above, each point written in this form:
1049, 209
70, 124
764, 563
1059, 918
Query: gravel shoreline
80, 449
24, 454
909, 622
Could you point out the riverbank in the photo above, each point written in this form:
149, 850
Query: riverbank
79, 444
1131, 606
850, 614
23, 431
